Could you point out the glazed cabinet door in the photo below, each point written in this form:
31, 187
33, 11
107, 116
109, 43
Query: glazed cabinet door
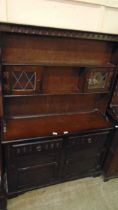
33, 164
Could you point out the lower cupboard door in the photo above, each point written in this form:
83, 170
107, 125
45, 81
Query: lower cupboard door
76, 169
34, 176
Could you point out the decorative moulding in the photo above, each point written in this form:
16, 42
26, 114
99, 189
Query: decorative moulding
47, 31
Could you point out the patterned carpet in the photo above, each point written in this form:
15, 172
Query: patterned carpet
83, 194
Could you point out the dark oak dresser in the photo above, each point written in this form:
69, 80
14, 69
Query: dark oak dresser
56, 86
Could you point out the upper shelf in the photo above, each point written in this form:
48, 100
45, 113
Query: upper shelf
55, 94
62, 64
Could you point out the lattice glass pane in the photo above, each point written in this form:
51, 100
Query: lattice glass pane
23, 80
97, 80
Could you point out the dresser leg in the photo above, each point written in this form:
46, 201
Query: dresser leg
3, 201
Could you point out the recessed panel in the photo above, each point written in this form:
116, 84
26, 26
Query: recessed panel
61, 80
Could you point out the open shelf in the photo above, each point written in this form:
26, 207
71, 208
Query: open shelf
75, 64
56, 94
46, 125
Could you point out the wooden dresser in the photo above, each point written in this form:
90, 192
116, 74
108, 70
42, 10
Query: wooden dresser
55, 90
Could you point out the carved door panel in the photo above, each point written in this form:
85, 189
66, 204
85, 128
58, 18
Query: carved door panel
84, 155
80, 162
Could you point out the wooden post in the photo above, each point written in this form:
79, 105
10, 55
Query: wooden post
3, 200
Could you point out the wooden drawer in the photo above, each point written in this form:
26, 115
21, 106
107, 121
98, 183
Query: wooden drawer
32, 164
24, 178
38, 175
97, 140
34, 148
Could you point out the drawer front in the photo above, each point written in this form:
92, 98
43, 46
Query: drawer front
98, 140
38, 175
34, 148
32, 164
24, 178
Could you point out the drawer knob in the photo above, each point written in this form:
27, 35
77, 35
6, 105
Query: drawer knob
4, 127
46, 146
54, 133
65, 132
18, 151
89, 140
38, 148
52, 146
57, 145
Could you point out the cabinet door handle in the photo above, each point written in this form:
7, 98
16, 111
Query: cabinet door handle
89, 140
4, 127
38, 148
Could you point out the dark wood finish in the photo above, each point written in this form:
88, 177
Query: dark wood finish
42, 162
51, 104
111, 162
83, 155
114, 57
3, 200
46, 126
33, 164
59, 80
114, 102
56, 86
18, 48
55, 32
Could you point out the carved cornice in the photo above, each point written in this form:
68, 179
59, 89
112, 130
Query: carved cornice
54, 32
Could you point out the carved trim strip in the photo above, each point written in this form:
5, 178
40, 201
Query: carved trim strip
25, 29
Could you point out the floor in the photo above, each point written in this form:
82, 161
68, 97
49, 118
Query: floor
83, 194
